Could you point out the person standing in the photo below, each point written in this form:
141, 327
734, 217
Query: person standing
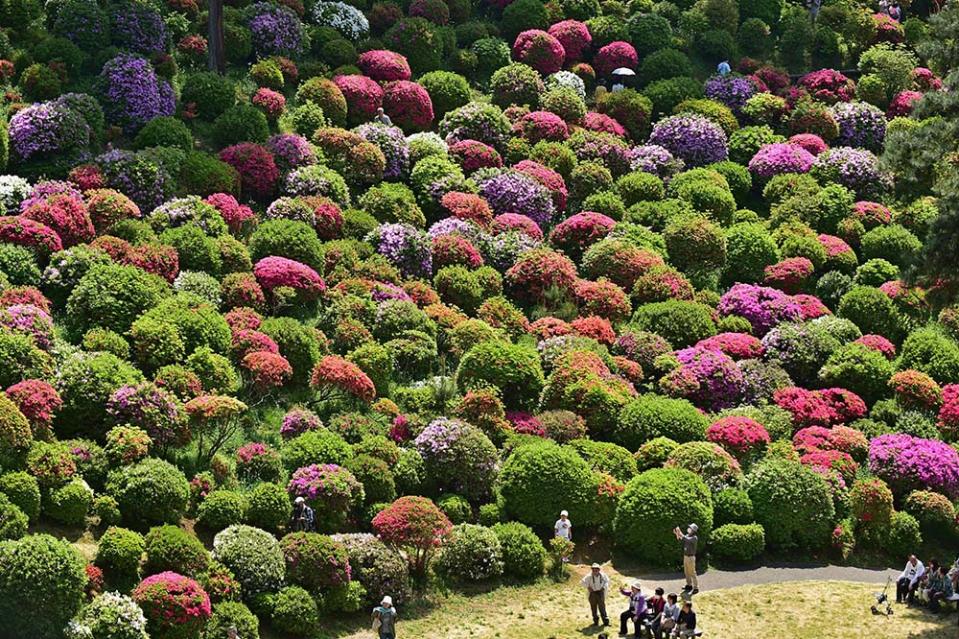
564, 528
303, 519
597, 585
636, 610
909, 580
689, 541
814, 7
723, 68
384, 619
382, 118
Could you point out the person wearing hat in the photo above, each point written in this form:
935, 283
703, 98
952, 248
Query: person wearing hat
302, 519
384, 619
636, 610
564, 528
597, 585
689, 541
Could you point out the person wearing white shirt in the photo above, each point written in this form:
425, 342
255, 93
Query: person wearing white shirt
564, 528
597, 585
909, 580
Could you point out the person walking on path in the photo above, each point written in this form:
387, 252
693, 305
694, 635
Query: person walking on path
597, 585
689, 541
564, 528
384, 619
636, 610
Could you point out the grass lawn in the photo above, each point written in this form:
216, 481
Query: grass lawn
796, 610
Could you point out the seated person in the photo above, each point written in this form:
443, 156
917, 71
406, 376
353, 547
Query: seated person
636, 610
686, 623
940, 587
665, 621
656, 603
909, 580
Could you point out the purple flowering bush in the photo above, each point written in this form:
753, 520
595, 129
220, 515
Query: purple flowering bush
694, 139
406, 247
332, 491
509, 191
781, 157
909, 463
652, 158
761, 306
153, 409
861, 125
856, 169
132, 94
732, 90
393, 144
276, 29
719, 382
459, 456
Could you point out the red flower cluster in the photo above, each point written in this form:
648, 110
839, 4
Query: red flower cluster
107, 207
267, 370
454, 249
246, 340
902, 104
237, 216
270, 102
576, 233
949, 412
811, 306
335, 373
256, 166
741, 436
469, 207
615, 55
384, 66
540, 50
790, 275
273, 271
820, 407
38, 401
829, 86
602, 298
363, 96
87, 177
597, 328
538, 270
24, 295
327, 216
603, 123
878, 343
541, 125
414, 524
546, 327
174, 605
809, 141
516, 222
473, 155
574, 37
409, 105
736, 345
871, 214
243, 318
158, 259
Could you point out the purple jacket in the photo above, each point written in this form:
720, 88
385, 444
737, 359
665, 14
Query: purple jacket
637, 602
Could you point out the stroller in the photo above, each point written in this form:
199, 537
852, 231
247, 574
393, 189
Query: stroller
882, 598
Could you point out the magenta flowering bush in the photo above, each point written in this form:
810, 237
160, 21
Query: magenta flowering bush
911, 463
774, 159
902, 104
363, 96
718, 381
409, 105
829, 86
406, 247
31, 321
175, 606
274, 272
762, 306
810, 142
574, 37
694, 139
384, 66
539, 50
332, 491
541, 125
615, 55
861, 125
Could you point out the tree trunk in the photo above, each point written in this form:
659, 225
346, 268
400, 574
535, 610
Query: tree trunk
216, 59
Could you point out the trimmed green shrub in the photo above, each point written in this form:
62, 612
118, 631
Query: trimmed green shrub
650, 416
69, 504
112, 296
738, 542
679, 322
792, 503
211, 92
119, 552
732, 506
270, 506
514, 369
174, 549
524, 555
221, 508
23, 491
470, 553
295, 612
150, 492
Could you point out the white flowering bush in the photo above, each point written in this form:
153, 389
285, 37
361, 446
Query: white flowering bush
426, 144
348, 20
109, 616
569, 80
13, 190
253, 555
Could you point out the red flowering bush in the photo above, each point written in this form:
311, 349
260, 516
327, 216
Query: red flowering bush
948, 421
273, 272
915, 389
176, 607
414, 525
363, 97
335, 374
878, 343
736, 345
30, 234
473, 155
615, 55
807, 407
238, 217
39, 403
662, 283
596, 328
65, 214
574, 37
871, 214
790, 275
516, 222
602, 123
829, 86
538, 270
576, 233
409, 105
256, 166
270, 102
924, 79
384, 66
525, 424
158, 259
539, 50
832, 460
455, 250
902, 104
28, 295
602, 298
469, 207
87, 177
242, 289
541, 125
745, 438
546, 327
247, 340
266, 370
548, 178
811, 306
810, 142
107, 207
243, 318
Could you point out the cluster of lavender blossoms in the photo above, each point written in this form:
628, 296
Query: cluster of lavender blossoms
133, 94
277, 30
509, 191
694, 139
731, 90
406, 247
393, 144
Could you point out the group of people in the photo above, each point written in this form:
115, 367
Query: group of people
661, 615
929, 584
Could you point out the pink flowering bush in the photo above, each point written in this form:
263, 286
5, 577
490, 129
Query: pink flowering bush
332, 491
603, 123
576, 233
176, 607
810, 142
909, 463
829, 86
736, 345
415, 525
538, 270
256, 462
548, 178
409, 105
238, 217
777, 158
30, 234
541, 125
902, 104
924, 79
602, 298
67, 215
915, 389
507, 222
574, 37
473, 155
745, 438
871, 214
39, 403
791, 275
762, 306
615, 55
333, 373
273, 272
384, 66
539, 50
270, 102
266, 370
363, 97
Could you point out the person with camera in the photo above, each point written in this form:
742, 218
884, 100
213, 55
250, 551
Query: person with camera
689, 540
302, 519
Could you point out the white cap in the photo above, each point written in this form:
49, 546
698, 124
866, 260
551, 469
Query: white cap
387, 601
694, 527
299, 500
596, 566
635, 585
564, 513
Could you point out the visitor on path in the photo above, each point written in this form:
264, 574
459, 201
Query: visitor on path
666, 620
636, 610
686, 623
597, 585
303, 519
382, 118
690, 540
564, 528
895, 11
940, 587
724, 68
384, 619
909, 580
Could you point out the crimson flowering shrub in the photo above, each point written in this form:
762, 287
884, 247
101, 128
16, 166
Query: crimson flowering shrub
335, 374
176, 607
871, 501
540, 50
735, 345
915, 389
416, 526
409, 105
541, 125
363, 97
538, 270
31, 234
473, 155
602, 298
829, 86
507, 222
468, 207
274, 272
615, 55
773, 159
574, 37
38, 400
384, 66
256, 166
266, 370
745, 438
791, 275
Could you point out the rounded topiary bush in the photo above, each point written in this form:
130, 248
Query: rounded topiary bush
253, 555
523, 553
650, 416
470, 553
791, 502
653, 504
231, 614
738, 542
176, 607
732, 506
295, 612
270, 506
514, 369
221, 508
540, 479
315, 561
119, 552
44, 576
171, 548
150, 492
